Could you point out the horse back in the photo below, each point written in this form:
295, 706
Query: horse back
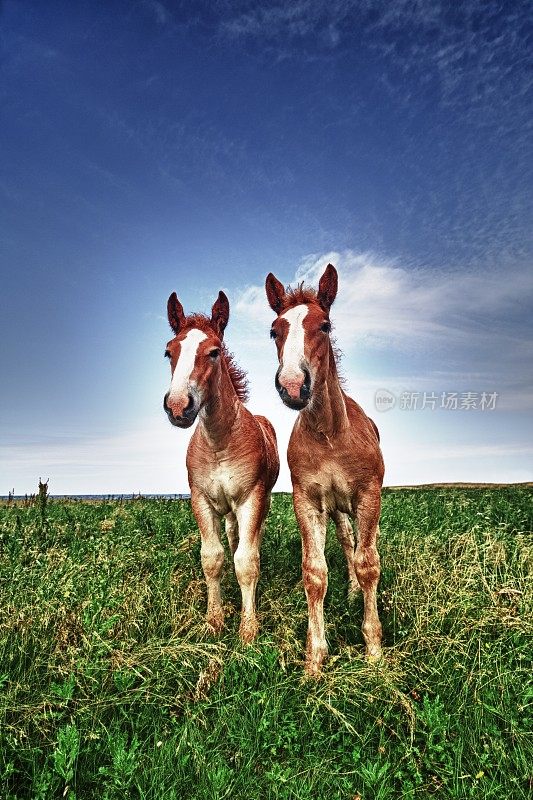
360, 421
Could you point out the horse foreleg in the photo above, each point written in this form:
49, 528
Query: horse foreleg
212, 556
312, 524
250, 518
367, 565
343, 527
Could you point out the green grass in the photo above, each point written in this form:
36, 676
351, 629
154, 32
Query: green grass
111, 687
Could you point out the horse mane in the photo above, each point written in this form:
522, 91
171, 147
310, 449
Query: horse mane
237, 375
337, 355
298, 296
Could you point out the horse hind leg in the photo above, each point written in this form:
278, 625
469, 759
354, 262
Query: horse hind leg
344, 530
367, 567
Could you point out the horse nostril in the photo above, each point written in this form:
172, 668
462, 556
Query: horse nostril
305, 391
165, 404
189, 407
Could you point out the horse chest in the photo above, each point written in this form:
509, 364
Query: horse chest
341, 494
338, 494
220, 484
328, 486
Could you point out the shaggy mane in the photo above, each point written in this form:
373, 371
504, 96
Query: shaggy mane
298, 296
237, 375
337, 354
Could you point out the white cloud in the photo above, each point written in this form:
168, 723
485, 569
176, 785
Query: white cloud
382, 304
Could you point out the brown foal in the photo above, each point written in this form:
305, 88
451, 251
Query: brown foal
232, 458
334, 457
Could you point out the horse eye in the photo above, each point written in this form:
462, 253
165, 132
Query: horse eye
326, 327
214, 354
273, 333
167, 353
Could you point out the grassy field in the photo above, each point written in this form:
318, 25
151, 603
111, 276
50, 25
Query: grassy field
111, 687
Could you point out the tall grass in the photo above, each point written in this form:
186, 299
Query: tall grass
111, 686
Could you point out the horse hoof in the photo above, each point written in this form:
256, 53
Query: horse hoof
248, 630
313, 669
314, 661
375, 656
216, 623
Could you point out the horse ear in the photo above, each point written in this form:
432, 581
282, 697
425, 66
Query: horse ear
220, 314
275, 292
327, 288
176, 317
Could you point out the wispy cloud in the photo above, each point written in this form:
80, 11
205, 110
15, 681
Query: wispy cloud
457, 41
288, 19
441, 329
158, 10
384, 304
456, 71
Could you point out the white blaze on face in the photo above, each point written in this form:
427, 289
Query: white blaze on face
182, 373
293, 349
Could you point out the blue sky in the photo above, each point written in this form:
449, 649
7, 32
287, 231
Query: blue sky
147, 147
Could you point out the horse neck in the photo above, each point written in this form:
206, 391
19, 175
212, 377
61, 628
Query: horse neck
221, 411
326, 414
